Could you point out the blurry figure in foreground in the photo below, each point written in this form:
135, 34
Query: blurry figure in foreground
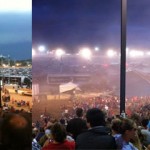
16, 132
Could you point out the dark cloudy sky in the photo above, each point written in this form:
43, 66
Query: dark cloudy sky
71, 24
74, 23
16, 29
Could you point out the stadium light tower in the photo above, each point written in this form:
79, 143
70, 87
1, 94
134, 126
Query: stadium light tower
41, 48
59, 53
111, 53
86, 53
96, 49
123, 55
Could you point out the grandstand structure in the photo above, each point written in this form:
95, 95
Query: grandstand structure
13, 79
64, 78
97, 76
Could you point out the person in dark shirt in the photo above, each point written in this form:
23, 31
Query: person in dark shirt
96, 137
77, 125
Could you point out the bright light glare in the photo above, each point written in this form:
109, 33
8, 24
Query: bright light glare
132, 53
135, 53
86, 53
17, 64
127, 50
4, 65
106, 107
96, 48
41, 48
15, 5
148, 53
59, 52
141, 53
111, 53
33, 52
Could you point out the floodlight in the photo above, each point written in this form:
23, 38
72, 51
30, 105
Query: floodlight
59, 52
86, 53
96, 48
41, 48
111, 53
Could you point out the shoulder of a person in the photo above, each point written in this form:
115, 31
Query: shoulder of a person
66, 141
76, 120
145, 131
83, 134
69, 143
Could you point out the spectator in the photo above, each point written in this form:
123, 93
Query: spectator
40, 134
59, 139
16, 132
145, 132
77, 125
148, 126
45, 137
115, 126
128, 132
35, 145
97, 136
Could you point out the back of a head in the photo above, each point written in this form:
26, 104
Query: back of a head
127, 124
79, 112
16, 132
95, 117
115, 125
145, 122
58, 132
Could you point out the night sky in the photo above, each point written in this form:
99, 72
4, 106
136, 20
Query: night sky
71, 24
15, 29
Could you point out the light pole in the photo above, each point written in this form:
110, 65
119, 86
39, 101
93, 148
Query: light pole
123, 55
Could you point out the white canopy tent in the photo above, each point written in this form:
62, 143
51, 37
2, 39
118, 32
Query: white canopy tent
68, 87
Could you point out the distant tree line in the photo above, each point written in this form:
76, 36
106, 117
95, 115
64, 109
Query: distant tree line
8, 61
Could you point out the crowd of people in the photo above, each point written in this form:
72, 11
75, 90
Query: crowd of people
92, 131
16, 104
84, 123
9, 102
95, 123
20, 103
110, 105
